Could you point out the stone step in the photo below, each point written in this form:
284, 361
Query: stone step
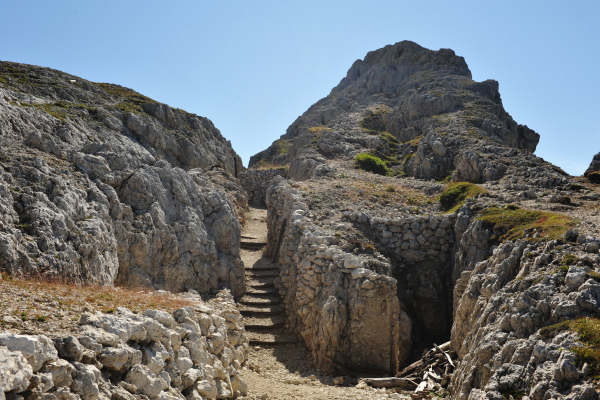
270, 273
265, 311
248, 237
262, 267
270, 339
260, 279
261, 294
269, 290
257, 301
252, 245
257, 324
262, 284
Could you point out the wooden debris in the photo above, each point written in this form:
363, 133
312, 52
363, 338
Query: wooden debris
391, 382
429, 374
433, 371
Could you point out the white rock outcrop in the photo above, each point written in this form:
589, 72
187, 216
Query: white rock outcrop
154, 354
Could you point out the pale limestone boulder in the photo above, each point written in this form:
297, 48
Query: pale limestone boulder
85, 382
146, 381
62, 372
161, 316
207, 388
15, 371
36, 349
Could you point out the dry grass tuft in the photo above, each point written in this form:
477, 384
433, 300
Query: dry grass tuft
103, 298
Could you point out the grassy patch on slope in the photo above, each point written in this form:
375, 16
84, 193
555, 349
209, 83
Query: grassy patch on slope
132, 101
457, 193
512, 223
589, 334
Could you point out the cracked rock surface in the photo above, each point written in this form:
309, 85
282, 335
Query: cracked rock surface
102, 185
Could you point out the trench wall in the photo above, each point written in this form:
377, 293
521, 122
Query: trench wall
334, 300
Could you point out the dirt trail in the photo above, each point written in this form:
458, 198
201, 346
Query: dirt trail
278, 366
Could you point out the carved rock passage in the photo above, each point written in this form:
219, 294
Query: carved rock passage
335, 300
256, 181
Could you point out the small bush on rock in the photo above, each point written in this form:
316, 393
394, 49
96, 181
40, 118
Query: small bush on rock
456, 193
371, 163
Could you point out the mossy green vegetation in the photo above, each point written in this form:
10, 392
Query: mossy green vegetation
414, 141
588, 329
390, 140
60, 109
455, 195
569, 259
371, 163
511, 223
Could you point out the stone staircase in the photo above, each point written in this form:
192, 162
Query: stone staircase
264, 315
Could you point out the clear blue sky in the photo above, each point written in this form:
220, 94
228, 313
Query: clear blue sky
253, 66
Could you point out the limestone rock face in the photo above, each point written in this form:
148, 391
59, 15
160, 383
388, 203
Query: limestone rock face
417, 109
505, 309
99, 184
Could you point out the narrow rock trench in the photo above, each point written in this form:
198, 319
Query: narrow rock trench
279, 367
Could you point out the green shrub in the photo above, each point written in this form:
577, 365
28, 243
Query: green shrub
512, 223
371, 163
456, 193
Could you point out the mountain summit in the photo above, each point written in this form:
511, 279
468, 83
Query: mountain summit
417, 109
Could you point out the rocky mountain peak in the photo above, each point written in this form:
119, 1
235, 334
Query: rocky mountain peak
387, 70
417, 110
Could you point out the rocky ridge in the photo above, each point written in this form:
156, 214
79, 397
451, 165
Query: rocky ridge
101, 185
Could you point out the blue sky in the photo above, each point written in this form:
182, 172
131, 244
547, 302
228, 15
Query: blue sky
252, 67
